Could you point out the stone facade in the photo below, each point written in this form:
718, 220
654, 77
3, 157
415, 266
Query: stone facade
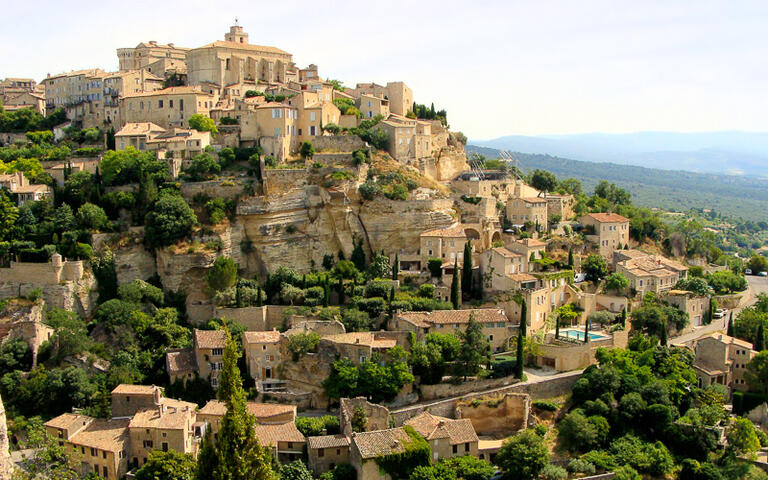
722, 359
609, 231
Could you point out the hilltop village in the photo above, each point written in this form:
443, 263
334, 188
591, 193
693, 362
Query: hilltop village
216, 235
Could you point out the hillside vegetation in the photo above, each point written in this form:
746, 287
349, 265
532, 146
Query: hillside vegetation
672, 190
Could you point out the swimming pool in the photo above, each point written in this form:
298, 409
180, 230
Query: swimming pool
579, 334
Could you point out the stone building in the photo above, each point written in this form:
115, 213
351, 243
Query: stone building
377, 416
73, 88
496, 326
409, 140
610, 231
447, 437
722, 359
357, 346
204, 359
651, 273
118, 84
235, 60
169, 107
285, 440
23, 319
145, 54
51, 273
527, 209
397, 94
103, 445
262, 356
560, 205
696, 306
265, 413
128, 399
136, 135
170, 425
366, 447
327, 451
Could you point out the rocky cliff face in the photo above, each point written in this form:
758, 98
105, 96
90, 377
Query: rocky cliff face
5, 454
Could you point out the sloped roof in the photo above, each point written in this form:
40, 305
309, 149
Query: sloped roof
284, 432
138, 128
129, 389
68, 421
181, 361
531, 242
110, 435
328, 441
174, 416
209, 338
381, 442
433, 427
607, 217
481, 315
362, 338
262, 411
453, 231
169, 91
272, 336
505, 252
245, 46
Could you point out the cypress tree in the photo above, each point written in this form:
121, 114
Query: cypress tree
341, 291
396, 267
326, 291
392, 294
663, 339
521, 334
520, 354
466, 278
258, 296
358, 255
455, 294
586, 330
237, 455
729, 332
557, 326
570, 257
760, 342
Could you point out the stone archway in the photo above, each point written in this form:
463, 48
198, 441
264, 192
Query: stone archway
475, 239
495, 237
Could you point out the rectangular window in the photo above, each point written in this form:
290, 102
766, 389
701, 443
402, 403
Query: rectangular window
320, 452
93, 452
311, 116
312, 131
181, 104
170, 103
217, 351
159, 104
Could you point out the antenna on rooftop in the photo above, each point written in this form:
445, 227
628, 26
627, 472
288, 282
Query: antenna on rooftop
511, 161
476, 165
236, 21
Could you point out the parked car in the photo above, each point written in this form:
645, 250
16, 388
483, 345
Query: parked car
748, 272
720, 313
580, 277
762, 274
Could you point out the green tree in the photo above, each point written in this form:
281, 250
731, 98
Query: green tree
396, 267
523, 456
47, 458
63, 218
595, 267
455, 293
170, 220
729, 331
379, 267
616, 282
202, 167
169, 465
475, 350
92, 217
543, 180
306, 150
222, 275
358, 255
202, 123
760, 340
295, 470
570, 258
742, 437
756, 373
9, 215
237, 454
466, 274
359, 420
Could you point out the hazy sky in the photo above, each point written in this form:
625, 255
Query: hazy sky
498, 67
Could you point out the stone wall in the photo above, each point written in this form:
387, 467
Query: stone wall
227, 189
333, 158
445, 390
496, 416
554, 386
278, 181
79, 297
6, 465
338, 143
377, 416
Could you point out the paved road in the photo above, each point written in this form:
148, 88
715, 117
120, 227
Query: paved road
756, 285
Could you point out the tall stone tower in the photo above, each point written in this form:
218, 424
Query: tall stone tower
5, 453
236, 34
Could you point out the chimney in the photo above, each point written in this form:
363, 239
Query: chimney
160, 410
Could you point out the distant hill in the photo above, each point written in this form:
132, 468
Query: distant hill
714, 152
740, 196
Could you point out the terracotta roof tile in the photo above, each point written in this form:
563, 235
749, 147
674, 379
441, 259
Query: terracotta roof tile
381, 442
453, 231
181, 361
272, 336
139, 128
69, 421
209, 338
127, 388
175, 416
245, 46
433, 427
284, 432
482, 315
328, 441
110, 435
505, 252
262, 411
607, 217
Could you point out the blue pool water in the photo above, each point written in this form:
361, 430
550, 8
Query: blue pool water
579, 335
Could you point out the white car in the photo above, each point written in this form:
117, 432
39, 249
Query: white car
720, 313
762, 274
747, 272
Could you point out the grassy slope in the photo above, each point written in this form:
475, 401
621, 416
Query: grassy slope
675, 190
